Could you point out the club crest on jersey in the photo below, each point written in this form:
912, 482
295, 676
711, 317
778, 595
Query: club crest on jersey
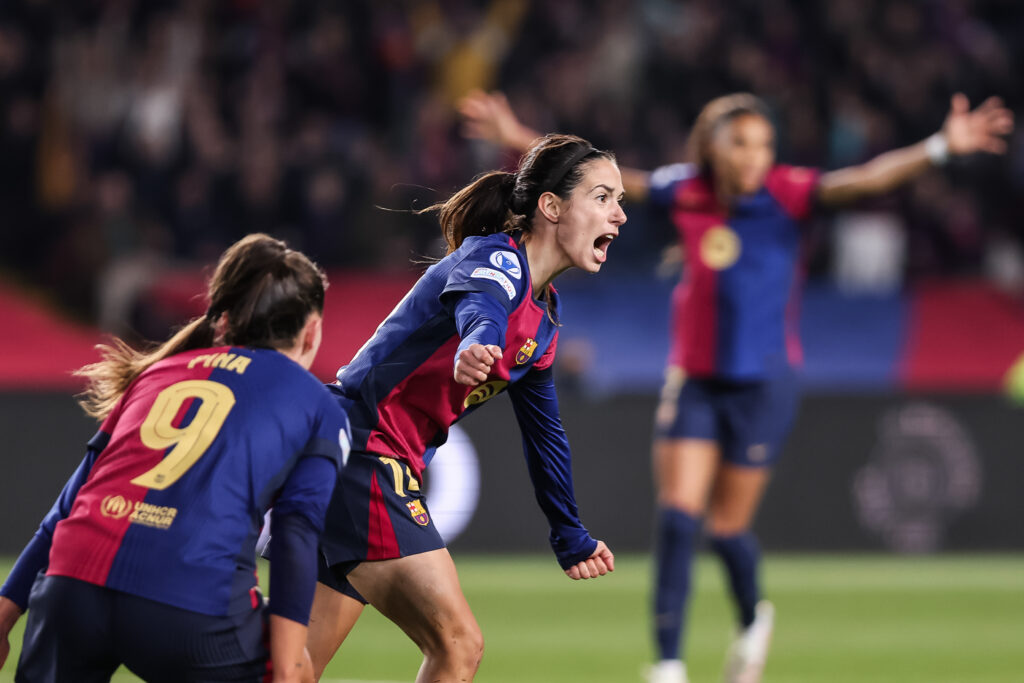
719, 248
418, 512
525, 352
485, 392
508, 262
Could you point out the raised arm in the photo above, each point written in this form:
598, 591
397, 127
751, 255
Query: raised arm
549, 462
488, 116
964, 132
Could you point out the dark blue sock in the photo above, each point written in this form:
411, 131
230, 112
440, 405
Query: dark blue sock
741, 556
676, 539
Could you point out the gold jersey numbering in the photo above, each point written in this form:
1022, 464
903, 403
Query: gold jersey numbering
188, 443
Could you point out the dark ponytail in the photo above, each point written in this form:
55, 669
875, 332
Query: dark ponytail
261, 295
504, 202
265, 291
480, 208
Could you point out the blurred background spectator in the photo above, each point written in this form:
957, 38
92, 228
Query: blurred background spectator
139, 138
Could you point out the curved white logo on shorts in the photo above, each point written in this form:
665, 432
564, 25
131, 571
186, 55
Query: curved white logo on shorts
346, 446
264, 540
507, 261
496, 276
454, 484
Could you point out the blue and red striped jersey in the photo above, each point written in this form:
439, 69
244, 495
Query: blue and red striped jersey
171, 496
734, 311
400, 383
401, 395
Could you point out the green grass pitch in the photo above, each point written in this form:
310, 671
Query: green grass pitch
840, 619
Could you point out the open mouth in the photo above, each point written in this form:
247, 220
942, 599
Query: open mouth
601, 246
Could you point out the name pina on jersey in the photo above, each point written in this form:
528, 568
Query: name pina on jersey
225, 361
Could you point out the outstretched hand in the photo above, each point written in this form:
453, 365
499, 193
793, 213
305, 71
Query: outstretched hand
474, 363
488, 116
981, 130
600, 562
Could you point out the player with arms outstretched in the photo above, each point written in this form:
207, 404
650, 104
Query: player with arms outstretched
149, 552
730, 395
481, 321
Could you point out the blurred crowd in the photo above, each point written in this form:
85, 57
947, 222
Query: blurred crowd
140, 136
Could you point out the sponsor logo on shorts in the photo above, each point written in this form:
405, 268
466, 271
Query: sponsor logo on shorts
496, 276
146, 514
757, 453
485, 392
345, 444
526, 351
507, 261
418, 512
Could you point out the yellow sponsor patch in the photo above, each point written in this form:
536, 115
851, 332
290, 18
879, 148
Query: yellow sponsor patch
485, 392
720, 248
146, 514
115, 507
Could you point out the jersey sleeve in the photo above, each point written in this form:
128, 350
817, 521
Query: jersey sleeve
299, 512
332, 435
794, 187
479, 319
665, 181
36, 555
549, 462
492, 270
295, 526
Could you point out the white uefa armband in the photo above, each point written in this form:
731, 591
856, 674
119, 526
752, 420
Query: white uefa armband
496, 276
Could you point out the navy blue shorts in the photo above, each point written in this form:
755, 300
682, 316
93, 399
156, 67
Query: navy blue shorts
378, 512
77, 631
749, 420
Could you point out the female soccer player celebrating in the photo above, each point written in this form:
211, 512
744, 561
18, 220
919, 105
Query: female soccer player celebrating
480, 321
149, 551
719, 432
